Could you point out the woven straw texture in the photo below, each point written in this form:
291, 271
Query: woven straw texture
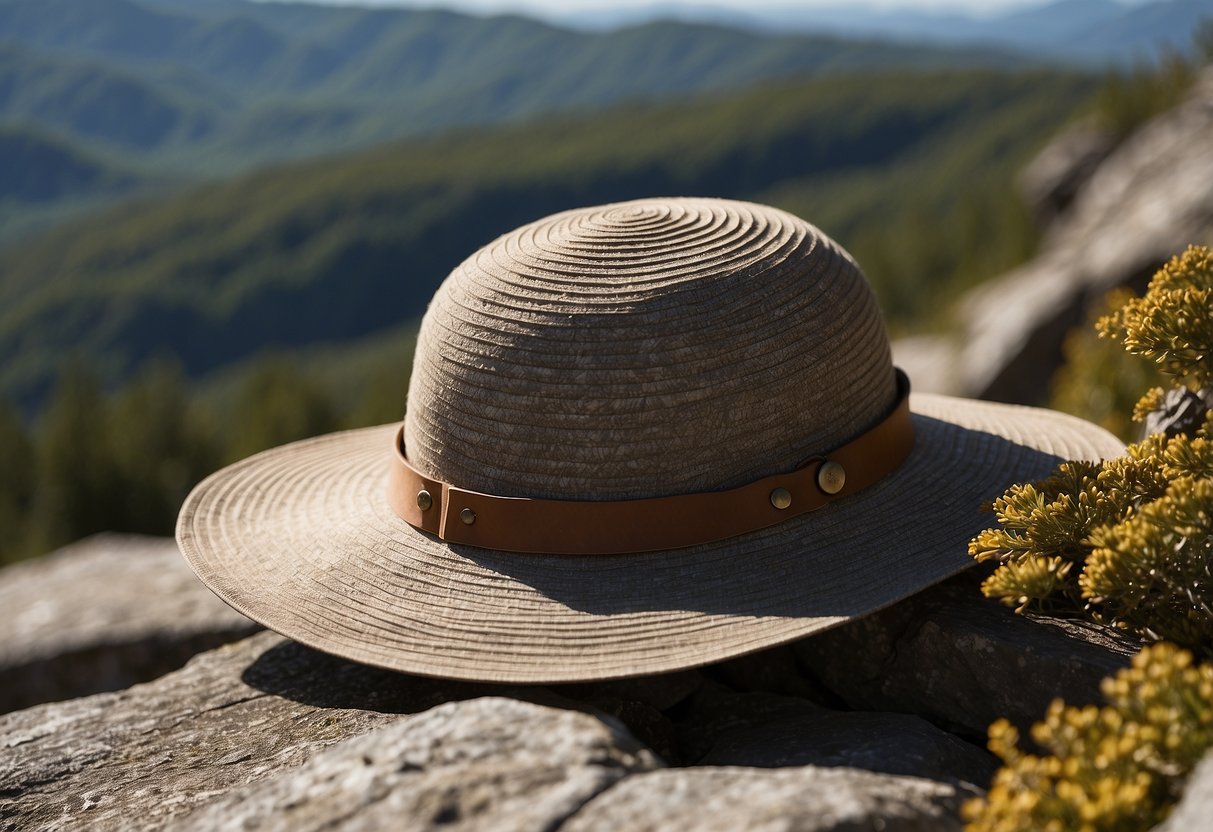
632, 350
645, 349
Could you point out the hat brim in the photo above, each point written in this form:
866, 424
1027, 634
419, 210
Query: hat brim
301, 539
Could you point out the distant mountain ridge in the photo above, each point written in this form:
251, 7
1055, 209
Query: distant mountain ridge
908, 171
26, 155
1088, 31
242, 83
211, 88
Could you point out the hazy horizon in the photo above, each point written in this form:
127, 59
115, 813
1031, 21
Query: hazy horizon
547, 8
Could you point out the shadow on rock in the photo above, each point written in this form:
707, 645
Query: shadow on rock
304, 675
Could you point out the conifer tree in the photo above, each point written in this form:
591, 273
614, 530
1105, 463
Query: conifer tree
16, 483
161, 447
77, 489
276, 404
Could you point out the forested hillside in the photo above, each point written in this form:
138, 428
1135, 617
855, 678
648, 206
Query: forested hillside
28, 156
231, 84
912, 172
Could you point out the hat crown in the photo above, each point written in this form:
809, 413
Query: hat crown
643, 349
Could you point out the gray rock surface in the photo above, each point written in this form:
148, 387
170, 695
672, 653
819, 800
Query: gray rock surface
268, 732
931, 362
1195, 809
487, 764
881, 742
804, 799
1181, 411
1144, 203
103, 614
1053, 179
639, 703
717, 710
143, 757
961, 660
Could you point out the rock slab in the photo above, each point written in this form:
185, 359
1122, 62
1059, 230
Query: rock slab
102, 615
1145, 202
804, 799
1195, 809
962, 661
267, 734
876, 742
142, 758
488, 764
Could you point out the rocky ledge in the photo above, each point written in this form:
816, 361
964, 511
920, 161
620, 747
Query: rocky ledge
875, 725
103, 614
1114, 216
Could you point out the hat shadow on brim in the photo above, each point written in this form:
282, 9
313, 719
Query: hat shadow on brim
923, 515
301, 539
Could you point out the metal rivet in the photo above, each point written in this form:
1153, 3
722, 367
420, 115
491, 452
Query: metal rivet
467, 516
831, 477
781, 498
424, 500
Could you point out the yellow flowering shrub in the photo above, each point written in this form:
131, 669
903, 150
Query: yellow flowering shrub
1126, 541
1116, 768
1170, 324
1110, 365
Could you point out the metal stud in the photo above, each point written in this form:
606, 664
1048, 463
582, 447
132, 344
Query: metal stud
831, 477
424, 500
467, 516
781, 498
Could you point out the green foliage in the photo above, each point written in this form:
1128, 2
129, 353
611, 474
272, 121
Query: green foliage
1099, 381
38, 167
124, 461
1171, 324
96, 462
1169, 328
1131, 97
1202, 40
1138, 528
277, 403
218, 87
45, 178
161, 446
16, 484
171, 93
76, 489
1152, 569
1116, 768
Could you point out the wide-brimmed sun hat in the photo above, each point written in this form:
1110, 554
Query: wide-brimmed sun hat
639, 437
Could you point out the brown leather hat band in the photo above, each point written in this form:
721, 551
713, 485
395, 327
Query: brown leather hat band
588, 527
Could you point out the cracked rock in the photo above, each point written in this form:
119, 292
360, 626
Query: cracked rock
489, 764
145, 756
